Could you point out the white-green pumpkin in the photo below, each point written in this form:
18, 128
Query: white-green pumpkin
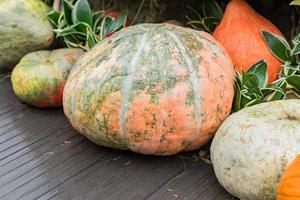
252, 148
23, 28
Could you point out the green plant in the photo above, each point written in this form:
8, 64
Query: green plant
206, 18
81, 27
251, 86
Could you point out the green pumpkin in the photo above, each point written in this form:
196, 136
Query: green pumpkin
151, 88
23, 28
40, 76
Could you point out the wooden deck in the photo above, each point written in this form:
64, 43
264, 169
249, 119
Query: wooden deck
42, 157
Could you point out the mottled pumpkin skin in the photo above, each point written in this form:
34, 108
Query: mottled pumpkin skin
289, 185
23, 28
252, 148
39, 78
151, 88
240, 33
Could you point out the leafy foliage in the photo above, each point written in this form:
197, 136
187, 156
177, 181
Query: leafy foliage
251, 86
81, 27
208, 17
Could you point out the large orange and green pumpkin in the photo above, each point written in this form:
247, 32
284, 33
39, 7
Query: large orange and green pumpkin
39, 77
152, 88
240, 33
23, 28
289, 185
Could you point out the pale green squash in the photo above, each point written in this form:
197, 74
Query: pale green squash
23, 28
252, 148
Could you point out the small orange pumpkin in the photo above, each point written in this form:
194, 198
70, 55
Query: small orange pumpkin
240, 33
289, 185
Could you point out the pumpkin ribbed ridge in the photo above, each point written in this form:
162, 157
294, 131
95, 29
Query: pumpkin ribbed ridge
142, 89
194, 79
127, 82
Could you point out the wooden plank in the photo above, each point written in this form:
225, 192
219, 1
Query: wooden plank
43, 157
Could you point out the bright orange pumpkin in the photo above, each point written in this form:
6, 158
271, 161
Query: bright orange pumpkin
240, 33
289, 185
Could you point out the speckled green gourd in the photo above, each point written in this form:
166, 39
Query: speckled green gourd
151, 88
39, 78
23, 28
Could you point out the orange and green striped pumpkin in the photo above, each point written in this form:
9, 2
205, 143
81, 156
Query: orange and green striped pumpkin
152, 88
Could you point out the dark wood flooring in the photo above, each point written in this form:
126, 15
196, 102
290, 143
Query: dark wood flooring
43, 157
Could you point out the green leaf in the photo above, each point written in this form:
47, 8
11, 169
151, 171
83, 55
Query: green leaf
112, 25
209, 23
73, 30
294, 81
211, 8
97, 19
296, 49
278, 46
206, 23
250, 84
275, 91
54, 17
275, 96
90, 40
71, 38
82, 12
295, 3
260, 69
245, 100
237, 97
254, 102
72, 44
270, 89
289, 69
296, 42
68, 7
